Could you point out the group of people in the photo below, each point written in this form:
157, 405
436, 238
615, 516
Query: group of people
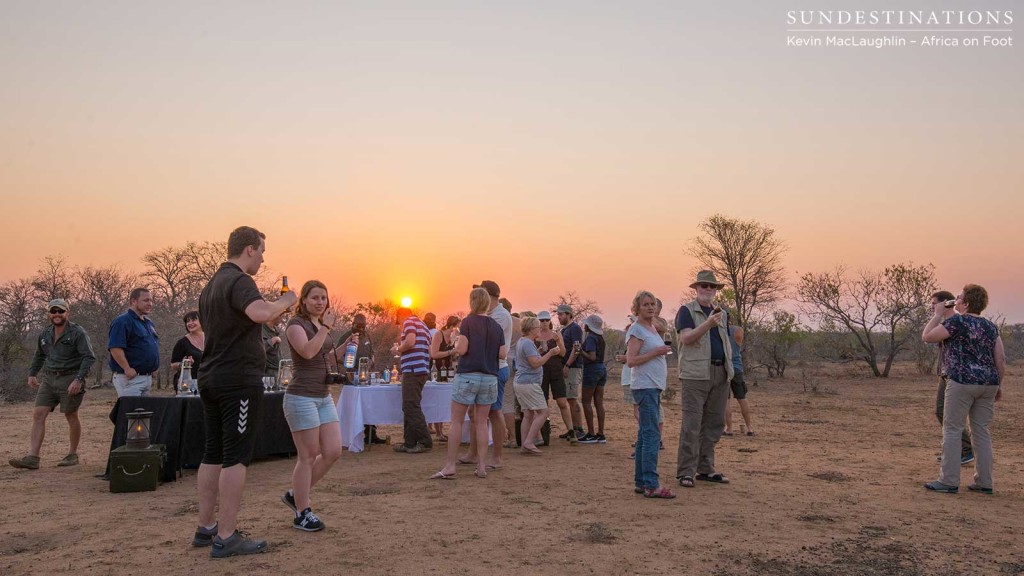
500, 361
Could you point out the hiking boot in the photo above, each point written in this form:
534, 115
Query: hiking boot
204, 536
236, 545
418, 449
27, 462
966, 459
289, 500
308, 521
72, 460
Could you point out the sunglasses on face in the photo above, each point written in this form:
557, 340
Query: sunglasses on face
56, 311
707, 286
545, 320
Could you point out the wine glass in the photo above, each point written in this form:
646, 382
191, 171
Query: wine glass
667, 337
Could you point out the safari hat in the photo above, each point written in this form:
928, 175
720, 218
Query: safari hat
595, 324
707, 277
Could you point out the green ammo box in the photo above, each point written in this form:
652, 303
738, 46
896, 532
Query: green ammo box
136, 470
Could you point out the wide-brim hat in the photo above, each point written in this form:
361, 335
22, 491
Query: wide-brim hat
594, 324
707, 277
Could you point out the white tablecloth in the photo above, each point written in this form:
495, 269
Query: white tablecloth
362, 405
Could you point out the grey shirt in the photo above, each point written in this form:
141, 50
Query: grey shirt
525, 374
504, 319
654, 372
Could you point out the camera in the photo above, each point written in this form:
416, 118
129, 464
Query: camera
336, 378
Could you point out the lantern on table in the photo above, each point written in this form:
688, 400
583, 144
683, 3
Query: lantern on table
364, 371
138, 429
284, 374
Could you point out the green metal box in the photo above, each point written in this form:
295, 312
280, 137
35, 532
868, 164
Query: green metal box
135, 470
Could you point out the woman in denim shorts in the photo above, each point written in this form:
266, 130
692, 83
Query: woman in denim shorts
478, 347
308, 408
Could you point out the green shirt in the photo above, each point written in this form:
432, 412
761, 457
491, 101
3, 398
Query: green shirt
72, 351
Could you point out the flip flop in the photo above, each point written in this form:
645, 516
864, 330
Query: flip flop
726, 433
442, 476
686, 482
479, 474
494, 466
465, 462
531, 452
717, 478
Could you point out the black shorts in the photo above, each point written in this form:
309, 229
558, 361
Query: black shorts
739, 386
231, 412
553, 384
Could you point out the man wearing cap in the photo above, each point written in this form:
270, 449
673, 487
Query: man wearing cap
704, 374
509, 404
62, 361
134, 346
572, 369
504, 319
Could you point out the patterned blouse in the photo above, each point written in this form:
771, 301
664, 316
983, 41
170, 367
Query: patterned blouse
969, 352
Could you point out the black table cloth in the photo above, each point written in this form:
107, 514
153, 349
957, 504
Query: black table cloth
177, 423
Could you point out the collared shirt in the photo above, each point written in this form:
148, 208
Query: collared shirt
72, 351
572, 334
504, 319
137, 337
234, 351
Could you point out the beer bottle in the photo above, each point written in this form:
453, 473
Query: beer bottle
284, 285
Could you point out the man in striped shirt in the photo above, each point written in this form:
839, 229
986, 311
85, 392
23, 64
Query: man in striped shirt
414, 346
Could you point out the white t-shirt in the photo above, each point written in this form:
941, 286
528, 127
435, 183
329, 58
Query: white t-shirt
504, 319
654, 372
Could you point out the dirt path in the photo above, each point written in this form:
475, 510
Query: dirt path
830, 485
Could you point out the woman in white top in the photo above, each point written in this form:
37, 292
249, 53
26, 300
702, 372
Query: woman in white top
645, 356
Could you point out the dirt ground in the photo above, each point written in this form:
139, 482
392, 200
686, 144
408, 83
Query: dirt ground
831, 484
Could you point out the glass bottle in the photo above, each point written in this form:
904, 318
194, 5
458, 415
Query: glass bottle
284, 285
394, 373
350, 353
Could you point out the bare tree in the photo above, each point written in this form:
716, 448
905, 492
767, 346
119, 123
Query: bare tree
102, 296
881, 310
20, 320
54, 279
747, 256
581, 307
172, 277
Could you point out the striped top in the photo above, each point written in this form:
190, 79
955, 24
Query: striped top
416, 360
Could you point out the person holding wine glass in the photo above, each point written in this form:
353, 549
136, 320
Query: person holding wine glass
442, 354
189, 346
308, 406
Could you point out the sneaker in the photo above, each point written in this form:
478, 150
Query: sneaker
580, 435
289, 500
937, 486
308, 521
400, 448
572, 440
589, 439
601, 439
72, 460
236, 545
204, 536
966, 459
567, 435
27, 462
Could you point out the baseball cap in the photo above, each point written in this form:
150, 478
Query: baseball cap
564, 308
544, 315
58, 303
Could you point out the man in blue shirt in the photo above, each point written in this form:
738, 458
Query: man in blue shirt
572, 368
134, 346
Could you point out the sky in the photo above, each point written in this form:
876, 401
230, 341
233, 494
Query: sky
415, 148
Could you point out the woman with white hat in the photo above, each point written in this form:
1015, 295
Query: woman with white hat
595, 376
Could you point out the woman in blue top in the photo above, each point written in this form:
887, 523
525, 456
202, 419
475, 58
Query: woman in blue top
595, 375
975, 364
527, 384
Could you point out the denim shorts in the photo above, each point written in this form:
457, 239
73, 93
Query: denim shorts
475, 389
304, 413
595, 379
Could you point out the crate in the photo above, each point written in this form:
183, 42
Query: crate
134, 470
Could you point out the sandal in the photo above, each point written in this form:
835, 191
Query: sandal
750, 432
727, 433
686, 481
716, 477
531, 451
510, 444
638, 490
480, 474
658, 493
442, 476
465, 462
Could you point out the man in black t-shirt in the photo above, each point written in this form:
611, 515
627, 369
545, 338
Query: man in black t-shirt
232, 312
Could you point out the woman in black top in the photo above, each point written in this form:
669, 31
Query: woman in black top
190, 345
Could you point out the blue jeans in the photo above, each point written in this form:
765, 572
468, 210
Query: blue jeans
648, 438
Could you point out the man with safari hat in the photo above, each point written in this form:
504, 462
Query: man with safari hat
705, 370
62, 361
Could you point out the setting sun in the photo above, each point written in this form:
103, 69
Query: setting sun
406, 302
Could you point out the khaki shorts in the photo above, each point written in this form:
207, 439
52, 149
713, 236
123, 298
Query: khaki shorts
530, 396
573, 382
53, 391
508, 405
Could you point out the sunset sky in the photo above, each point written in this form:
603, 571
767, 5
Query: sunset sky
388, 148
